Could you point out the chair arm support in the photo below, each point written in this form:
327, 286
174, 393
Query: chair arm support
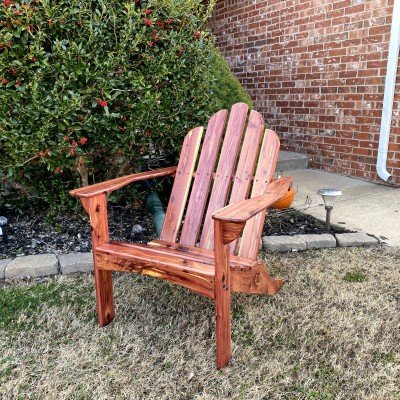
246, 209
234, 216
117, 183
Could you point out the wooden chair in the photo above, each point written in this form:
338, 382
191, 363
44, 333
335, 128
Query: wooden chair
200, 246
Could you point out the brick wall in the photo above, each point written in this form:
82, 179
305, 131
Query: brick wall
316, 70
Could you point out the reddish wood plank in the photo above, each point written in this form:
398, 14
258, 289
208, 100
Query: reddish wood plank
226, 164
247, 162
97, 208
162, 260
146, 260
264, 173
222, 297
117, 183
193, 282
246, 209
205, 256
255, 279
182, 182
204, 175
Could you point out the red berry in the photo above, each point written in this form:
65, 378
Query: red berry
101, 103
43, 153
147, 22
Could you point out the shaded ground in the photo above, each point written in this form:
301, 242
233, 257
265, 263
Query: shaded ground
293, 222
34, 233
332, 332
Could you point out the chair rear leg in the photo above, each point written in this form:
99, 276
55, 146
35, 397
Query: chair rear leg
222, 298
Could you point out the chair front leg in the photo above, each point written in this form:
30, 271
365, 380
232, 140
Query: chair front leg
222, 296
97, 209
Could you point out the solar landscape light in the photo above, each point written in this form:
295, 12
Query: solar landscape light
329, 196
3, 222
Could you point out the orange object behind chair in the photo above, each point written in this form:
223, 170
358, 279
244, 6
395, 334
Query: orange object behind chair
286, 201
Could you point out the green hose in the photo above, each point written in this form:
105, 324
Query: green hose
156, 210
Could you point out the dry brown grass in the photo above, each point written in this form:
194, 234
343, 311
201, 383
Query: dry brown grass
331, 333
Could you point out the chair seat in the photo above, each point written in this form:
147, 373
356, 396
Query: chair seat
199, 254
187, 266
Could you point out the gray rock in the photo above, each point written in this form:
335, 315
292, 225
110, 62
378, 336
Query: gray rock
75, 262
316, 241
3, 263
355, 239
35, 265
283, 243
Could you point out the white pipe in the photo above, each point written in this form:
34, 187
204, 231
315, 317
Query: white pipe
390, 83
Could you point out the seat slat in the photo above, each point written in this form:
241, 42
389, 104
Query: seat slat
181, 186
226, 164
142, 252
140, 259
264, 173
198, 254
204, 175
247, 162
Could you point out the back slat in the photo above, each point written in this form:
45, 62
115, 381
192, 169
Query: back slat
223, 176
247, 162
264, 173
182, 182
202, 181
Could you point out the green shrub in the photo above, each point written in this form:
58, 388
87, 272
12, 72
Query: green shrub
88, 87
227, 88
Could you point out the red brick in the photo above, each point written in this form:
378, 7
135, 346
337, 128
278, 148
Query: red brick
316, 71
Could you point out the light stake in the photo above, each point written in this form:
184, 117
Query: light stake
329, 196
3, 222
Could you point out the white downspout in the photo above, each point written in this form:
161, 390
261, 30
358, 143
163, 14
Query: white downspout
390, 83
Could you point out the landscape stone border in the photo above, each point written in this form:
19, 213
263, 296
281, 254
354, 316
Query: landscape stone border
50, 264
45, 264
276, 244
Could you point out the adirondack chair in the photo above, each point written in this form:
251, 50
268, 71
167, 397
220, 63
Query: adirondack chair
206, 254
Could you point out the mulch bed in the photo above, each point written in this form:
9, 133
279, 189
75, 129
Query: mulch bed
293, 222
34, 233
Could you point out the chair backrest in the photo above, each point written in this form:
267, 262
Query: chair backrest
236, 162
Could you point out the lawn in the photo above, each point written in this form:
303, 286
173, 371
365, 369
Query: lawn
332, 332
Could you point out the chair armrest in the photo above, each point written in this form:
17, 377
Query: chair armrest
117, 183
241, 212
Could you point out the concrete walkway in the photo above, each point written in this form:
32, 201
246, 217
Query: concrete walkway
364, 206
